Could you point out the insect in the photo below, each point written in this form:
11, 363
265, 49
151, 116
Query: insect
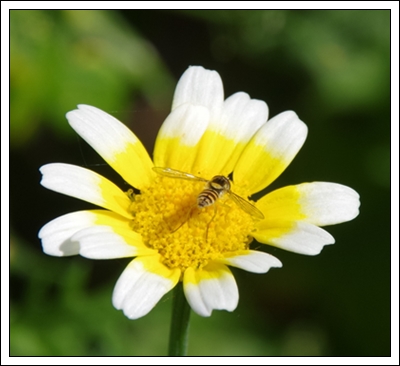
215, 189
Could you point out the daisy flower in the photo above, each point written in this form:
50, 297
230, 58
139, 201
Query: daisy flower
163, 223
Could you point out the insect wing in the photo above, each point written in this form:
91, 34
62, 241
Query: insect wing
246, 206
172, 173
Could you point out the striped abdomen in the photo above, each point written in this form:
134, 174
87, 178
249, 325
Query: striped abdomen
207, 197
216, 188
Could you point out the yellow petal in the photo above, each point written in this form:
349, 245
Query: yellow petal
282, 204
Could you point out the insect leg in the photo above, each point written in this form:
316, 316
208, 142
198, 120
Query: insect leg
212, 218
189, 214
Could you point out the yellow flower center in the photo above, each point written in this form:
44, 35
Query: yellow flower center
167, 217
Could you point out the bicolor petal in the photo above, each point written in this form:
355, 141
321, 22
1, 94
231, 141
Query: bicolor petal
299, 237
251, 261
212, 287
177, 141
227, 136
245, 117
115, 143
108, 242
142, 284
86, 185
273, 147
56, 235
317, 203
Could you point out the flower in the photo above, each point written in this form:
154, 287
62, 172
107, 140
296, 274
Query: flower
163, 227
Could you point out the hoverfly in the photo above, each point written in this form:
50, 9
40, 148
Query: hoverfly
215, 189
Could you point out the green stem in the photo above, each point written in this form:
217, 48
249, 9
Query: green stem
178, 337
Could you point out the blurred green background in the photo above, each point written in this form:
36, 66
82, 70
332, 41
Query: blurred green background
331, 67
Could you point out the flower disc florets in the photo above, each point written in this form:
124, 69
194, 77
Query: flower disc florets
167, 217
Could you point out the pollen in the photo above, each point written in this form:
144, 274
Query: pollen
168, 218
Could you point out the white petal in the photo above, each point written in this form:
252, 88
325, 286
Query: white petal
252, 261
138, 290
86, 185
285, 134
242, 117
103, 242
56, 235
303, 238
202, 87
328, 203
209, 289
187, 123
114, 142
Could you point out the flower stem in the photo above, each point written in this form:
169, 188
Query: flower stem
178, 337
